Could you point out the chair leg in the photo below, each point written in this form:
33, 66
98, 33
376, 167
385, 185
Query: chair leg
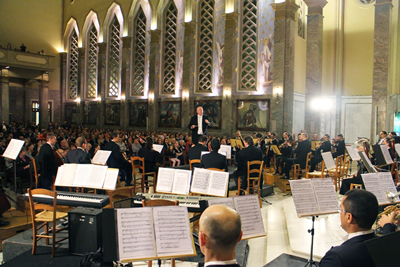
46, 232
53, 247
34, 239
149, 263
172, 262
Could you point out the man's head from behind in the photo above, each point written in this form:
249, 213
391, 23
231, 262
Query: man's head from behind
202, 139
219, 232
215, 144
248, 140
359, 209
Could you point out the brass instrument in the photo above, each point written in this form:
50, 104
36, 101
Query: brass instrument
387, 211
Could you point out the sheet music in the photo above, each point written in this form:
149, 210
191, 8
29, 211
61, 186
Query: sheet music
304, 197
135, 233
200, 181
218, 183
328, 159
182, 179
172, 231
227, 149
386, 154
97, 176
223, 153
13, 149
165, 179
111, 179
59, 178
158, 147
397, 148
367, 162
372, 184
223, 201
326, 195
387, 184
248, 208
65, 175
353, 153
82, 174
101, 157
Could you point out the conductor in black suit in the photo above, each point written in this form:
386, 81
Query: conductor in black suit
214, 159
47, 161
198, 125
116, 160
358, 212
195, 151
78, 155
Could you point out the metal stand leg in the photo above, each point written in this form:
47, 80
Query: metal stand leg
311, 262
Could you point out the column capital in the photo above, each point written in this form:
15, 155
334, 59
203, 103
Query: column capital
383, 2
126, 42
190, 28
155, 35
285, 10
102, 48
315, 7
4, 73
230, 19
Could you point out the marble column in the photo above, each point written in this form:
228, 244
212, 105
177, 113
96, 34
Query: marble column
101, 83
380, 83
314, 64
4, 95
230, 54
125, 79
189, 57
80, 113
43, 102
282, 101
154, 82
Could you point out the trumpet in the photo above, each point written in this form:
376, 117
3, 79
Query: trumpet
388, 211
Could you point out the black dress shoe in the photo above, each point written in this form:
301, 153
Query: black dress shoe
4, 223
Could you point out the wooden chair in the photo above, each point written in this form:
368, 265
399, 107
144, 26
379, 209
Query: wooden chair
35, 171
166, 159
120, 193
355, 186
143, 179
45, 216
297, 170
216, 169
253, 178
193, 161
159, 202
317, 174
336, 172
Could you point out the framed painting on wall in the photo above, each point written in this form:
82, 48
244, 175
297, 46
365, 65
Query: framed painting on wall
90, 113
170, 114
138, 114
70, 113
211, 109
252, 115
112, 114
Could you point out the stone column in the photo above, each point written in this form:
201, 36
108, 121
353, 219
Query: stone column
43, 102
63, 72
80, 113
154, 71
125, 79
101, 83
228, 108
380, 83
283, 91
189, 64
314, 64
4, 95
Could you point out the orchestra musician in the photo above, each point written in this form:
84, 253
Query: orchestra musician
272, 142
47, 161
238, 136
286, 150
324, 146
303, 148
339, 145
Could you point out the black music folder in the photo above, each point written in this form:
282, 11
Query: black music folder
384, 250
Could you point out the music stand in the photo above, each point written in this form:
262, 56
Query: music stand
311, 262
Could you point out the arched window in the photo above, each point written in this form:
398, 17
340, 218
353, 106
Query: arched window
72, 65
114, 62
248, 78
168, 83
205, 46
91, 60
139, 47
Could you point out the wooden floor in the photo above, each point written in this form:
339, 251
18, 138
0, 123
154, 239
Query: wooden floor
19, 222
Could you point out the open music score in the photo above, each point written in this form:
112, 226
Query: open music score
158, 147
314, 196
174, 181
101, 157
276, 149
237, 143
328, 159
379, 184
248, 208
353, 153
213, 183
153, 232
227, 150
13, 149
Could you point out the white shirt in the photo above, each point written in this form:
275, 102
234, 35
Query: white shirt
359, 233
200, 124
220, 262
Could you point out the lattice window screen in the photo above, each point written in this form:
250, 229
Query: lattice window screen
139, 54
92, 59
114, 58
206, 45
170, 50
73, 66
301, 20
248, 79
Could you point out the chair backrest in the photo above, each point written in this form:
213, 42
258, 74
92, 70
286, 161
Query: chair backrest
120, 193
193, 161
35, 171
216, 169
308, 159
253, 169
159, 202
139, 166
40, 206
355, 186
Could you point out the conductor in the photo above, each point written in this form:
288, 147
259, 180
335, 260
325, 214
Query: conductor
198, 125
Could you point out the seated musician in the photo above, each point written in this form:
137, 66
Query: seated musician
388, 222
286, 149
219, 233
358, 212
23, 166
303, 148
272, 142
195, 151
152, 158
214, 159
324, 146
339, 145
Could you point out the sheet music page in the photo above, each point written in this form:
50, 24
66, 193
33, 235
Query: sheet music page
165, 179
111, 179
372, 184
227, 149
353, 153
387, 184
218, 183
326, 195
59, 178
182, 181
13, 149
172, 231
200, 181
304, 197
248, 208
82, 174
65, 175
158, 147
328, 159
204, 153
223, 201
97, 176
397, 148
135, 233
386, 154
101, 157
367, 162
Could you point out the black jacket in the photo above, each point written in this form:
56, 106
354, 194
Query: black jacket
214, 160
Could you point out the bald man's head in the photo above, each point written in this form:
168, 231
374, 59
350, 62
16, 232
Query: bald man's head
222, 227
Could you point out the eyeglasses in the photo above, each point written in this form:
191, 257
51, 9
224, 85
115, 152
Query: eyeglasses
340, 210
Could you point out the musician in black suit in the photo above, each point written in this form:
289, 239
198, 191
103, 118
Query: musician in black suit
195, 151
358, 212
152, 158
249, 153
116, 160
214, 159
78, 155
198, 125
324, 146
340, 146
219, 232
270, 154
303, 148
47, 161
